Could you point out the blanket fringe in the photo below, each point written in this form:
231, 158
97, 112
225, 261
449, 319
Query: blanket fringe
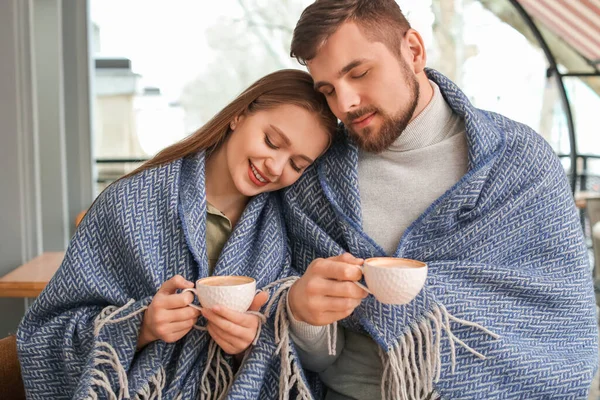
218, 368
403, 378
410, 368
105, 354
290, 371
153, 389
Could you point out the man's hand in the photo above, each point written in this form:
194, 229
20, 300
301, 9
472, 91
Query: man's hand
326, 292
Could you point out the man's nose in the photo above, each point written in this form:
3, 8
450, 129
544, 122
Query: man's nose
348, 99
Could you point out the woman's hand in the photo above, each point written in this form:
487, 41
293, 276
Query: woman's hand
168, 317
233, 331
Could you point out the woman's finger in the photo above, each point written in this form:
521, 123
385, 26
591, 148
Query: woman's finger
341, 289
176, 282
222, 342
175, 336
174, 301
182, 314
174, 327
242, 340
259, 300
225, 318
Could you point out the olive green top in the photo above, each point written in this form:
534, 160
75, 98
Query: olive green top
218, 230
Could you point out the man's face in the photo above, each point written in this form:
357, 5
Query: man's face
371, 90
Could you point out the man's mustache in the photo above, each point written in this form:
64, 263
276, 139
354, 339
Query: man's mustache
353, 115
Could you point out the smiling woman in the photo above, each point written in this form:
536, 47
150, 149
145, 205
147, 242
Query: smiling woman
247, 150
200, 207
267, 150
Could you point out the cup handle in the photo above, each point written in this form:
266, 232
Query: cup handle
360, 285
194, 293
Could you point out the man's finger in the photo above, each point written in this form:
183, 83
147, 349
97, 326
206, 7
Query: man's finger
340, 271
340, 304
343, 289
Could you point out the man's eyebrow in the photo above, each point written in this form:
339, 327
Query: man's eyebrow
347, 68
288, 142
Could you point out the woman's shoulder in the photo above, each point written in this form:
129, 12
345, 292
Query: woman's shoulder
148, 179
150, 188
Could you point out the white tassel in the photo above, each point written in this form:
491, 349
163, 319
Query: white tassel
290, 375
105, 354
402, 378
218, 368
154, 388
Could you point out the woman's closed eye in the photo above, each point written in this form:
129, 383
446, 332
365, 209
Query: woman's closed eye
270, 143
295, 166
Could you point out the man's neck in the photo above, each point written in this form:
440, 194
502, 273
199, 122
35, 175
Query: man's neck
425, 94
435, 123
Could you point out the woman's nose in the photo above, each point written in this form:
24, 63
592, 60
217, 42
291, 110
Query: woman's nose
274, 166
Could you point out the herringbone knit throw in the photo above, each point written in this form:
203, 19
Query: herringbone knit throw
78, 339
508, 310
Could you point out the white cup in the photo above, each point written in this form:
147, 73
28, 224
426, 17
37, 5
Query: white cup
393, 280
233, 292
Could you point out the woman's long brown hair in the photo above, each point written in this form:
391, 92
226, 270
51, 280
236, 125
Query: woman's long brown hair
288, 86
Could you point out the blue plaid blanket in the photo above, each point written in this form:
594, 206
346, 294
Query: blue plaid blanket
78, 340
508, 309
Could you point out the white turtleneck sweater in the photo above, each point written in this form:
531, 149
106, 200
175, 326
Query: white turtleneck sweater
396, 187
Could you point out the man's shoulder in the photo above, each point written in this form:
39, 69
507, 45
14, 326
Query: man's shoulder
520, 138
517, 136
526, 156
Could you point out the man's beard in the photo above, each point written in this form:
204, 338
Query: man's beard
392, 126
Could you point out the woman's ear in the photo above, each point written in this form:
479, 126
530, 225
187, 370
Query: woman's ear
235, 121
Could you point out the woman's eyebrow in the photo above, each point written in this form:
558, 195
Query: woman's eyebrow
287, 141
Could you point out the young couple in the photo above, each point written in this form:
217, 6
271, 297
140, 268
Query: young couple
272, 188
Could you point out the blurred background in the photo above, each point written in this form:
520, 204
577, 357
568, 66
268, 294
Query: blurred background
89, 89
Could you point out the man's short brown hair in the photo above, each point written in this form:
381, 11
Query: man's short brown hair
380, 20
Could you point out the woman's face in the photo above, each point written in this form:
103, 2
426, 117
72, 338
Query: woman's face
269, 150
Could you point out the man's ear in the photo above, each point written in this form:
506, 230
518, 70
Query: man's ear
416, 54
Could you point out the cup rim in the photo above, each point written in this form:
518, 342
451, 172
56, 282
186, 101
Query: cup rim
413, 263
247, 279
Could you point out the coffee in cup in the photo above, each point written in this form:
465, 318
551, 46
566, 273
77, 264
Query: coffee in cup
233, 292
393, 280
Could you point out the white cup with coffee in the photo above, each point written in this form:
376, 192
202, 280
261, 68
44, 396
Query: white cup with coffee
393, 280
233, 292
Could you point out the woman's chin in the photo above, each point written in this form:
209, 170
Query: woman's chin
249, 189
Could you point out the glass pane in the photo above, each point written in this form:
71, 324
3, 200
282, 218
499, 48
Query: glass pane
163, 69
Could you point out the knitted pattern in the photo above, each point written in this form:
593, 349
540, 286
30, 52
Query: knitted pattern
78, 340
508, 310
